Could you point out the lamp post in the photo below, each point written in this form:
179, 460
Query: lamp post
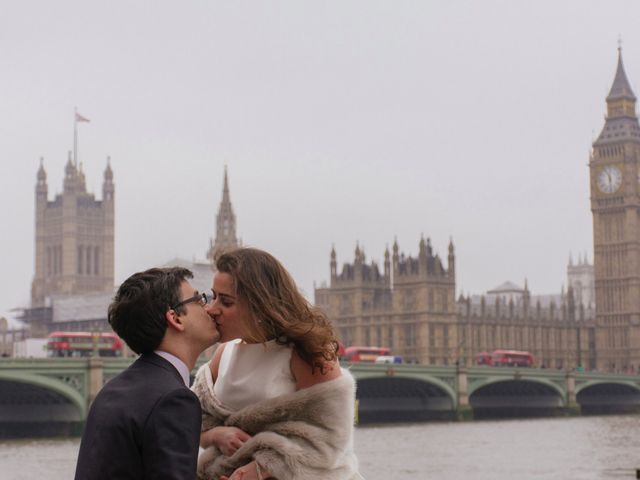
95, 335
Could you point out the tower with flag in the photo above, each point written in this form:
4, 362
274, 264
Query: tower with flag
74, 233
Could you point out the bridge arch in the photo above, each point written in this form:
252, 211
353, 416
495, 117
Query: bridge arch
516, 397
592, 383
419, 377
403, 397
608, 396
475, 386
41, 381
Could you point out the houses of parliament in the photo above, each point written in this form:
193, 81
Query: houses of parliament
411, 306
409, 303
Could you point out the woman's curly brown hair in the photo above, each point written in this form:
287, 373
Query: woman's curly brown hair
278, 310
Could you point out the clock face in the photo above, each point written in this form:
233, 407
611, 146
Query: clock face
609, 179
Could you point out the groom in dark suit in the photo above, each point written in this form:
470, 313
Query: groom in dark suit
145, 423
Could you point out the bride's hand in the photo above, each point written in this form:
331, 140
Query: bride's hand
227, 439
247, 472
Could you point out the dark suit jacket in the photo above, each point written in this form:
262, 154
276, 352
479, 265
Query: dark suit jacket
144, 424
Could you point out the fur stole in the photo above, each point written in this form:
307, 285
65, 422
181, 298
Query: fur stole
307, 434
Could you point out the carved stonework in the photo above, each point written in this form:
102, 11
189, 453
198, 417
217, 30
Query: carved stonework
451, 381
75, 381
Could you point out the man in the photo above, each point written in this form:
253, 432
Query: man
145, 423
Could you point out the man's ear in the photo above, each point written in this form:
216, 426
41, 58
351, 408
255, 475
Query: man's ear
174, 321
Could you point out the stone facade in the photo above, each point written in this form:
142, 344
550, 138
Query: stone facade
558, 332
74, 246
74, 237
614, 167
409, 306
580, 277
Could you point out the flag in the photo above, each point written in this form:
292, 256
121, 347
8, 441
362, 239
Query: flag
80, 118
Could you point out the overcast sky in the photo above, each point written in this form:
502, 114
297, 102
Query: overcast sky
340, 122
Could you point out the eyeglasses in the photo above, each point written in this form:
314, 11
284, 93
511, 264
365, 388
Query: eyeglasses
200, 298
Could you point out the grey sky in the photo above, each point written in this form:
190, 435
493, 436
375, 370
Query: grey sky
340, 121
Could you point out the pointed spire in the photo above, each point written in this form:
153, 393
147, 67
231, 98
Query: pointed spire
41, 183
621, 121
108, 173
69, 168
42, 175
422, 247
225, 225
394, 249
225, 186
621, 87
81, 177
332, 264
570, 259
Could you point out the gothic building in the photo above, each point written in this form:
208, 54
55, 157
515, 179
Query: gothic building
74, 237
614, 166
580, 277
595, 324
225, 238
558, 331
409, 306
74, 254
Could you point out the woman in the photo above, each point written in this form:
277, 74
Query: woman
275, 402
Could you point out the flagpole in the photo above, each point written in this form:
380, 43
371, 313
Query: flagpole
75, 136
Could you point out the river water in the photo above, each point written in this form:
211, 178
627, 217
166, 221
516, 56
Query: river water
580, 448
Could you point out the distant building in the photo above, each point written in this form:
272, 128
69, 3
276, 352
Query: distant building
409, 306
75, 295
8, 336
225, 238
580, 277
202, 273
74, 250
74, 245
556, 330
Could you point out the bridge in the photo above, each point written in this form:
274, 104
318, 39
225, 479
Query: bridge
417, 392
46, 396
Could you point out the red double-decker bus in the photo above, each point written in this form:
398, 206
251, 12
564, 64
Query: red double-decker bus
483, 358
511, 358
364, 354
83, 344
505, 358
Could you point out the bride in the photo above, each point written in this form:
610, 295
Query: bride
275, 402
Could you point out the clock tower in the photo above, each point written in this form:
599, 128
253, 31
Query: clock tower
614, 167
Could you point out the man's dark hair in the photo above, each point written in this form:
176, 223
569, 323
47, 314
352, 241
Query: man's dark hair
137, 313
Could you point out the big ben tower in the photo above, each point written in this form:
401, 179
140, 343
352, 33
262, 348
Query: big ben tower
615, 202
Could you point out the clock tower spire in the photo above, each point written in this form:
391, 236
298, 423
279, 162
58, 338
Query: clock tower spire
614, 167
